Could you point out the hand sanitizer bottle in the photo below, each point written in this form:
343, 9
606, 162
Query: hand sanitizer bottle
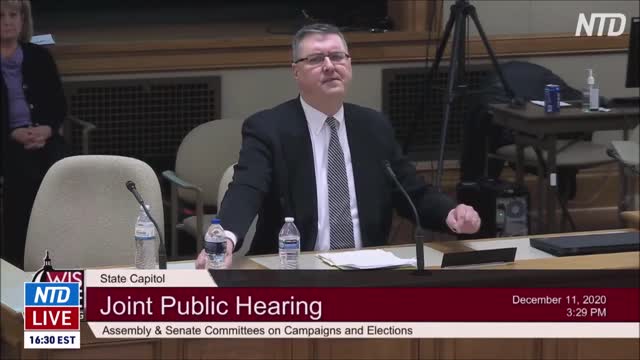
591, 101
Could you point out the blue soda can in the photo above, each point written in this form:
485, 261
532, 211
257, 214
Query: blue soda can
551, 98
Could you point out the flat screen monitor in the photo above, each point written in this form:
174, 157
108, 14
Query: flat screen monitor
634, 52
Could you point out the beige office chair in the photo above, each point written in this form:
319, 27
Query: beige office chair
222, 189
85, 216
203, 156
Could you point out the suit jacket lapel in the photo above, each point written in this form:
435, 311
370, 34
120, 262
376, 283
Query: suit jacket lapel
298, 151
361, 163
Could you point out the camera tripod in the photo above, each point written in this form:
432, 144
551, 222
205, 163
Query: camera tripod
460, 11
457, 22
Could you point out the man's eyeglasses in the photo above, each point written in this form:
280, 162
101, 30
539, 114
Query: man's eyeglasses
317, 59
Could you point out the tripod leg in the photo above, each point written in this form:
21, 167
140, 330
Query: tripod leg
474, 16
455, 65
419, 110
443, 45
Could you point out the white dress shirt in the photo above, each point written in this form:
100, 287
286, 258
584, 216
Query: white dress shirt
320, 134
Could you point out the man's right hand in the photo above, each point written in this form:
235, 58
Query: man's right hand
201, 260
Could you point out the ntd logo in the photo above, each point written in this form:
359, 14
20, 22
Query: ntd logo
66, 276
612, 18
52, 306
59, 295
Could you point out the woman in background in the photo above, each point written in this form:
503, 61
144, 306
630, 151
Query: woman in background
33, 109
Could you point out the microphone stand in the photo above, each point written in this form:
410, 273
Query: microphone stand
162, 251
418, 234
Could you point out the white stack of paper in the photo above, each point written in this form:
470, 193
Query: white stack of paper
541, 103
46, 39
365, 259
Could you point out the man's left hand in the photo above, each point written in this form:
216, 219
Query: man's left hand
463, 219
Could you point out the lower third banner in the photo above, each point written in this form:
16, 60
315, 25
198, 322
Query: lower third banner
189, 304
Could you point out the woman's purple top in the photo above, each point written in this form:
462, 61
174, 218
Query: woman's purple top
19, 114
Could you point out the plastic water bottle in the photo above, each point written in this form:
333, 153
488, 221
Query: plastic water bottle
215, 245
146, 242
289, 241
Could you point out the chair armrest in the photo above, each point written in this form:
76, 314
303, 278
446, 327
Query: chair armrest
175, 180
178, 182
87, 128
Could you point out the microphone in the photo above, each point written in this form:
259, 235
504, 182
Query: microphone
132, 187
162, 251
419, 233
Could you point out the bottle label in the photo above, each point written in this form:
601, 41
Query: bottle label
594, 99
145, 233
215, 247
289, 244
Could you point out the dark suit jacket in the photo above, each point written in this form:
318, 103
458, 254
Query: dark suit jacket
275, 178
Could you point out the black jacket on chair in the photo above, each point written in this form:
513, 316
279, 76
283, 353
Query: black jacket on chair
275, 178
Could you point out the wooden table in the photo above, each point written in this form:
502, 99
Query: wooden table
93, 348
534, 127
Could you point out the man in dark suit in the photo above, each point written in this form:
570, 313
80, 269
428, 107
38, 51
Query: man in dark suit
321, 161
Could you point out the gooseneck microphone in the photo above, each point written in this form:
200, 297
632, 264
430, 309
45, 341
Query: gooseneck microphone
418, 235
162, 251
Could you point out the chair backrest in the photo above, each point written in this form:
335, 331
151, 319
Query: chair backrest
222, 189
205, 153
84, 214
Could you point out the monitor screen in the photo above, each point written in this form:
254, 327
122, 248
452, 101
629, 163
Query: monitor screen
634, 52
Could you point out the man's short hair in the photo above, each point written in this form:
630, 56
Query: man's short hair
313, 29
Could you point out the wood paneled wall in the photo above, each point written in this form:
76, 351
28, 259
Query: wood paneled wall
188, 47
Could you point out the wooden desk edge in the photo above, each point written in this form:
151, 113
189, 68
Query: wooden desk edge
531, 264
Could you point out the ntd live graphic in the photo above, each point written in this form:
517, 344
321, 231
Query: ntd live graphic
51, 315
53, 308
